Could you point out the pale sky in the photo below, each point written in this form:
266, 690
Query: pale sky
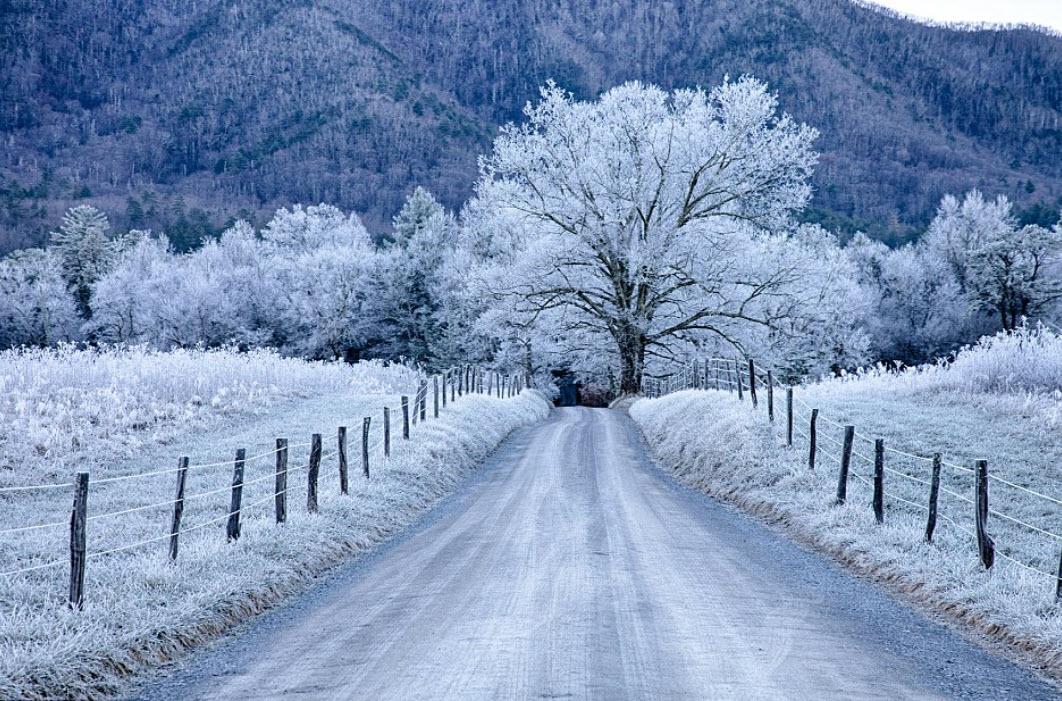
1043, 12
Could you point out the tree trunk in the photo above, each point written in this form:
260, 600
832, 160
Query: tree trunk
632, 360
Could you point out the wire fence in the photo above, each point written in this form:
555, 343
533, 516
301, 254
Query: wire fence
381, 433
929, 485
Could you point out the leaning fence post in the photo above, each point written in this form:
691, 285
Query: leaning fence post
78, 537
770, 396
813, 437
934, 494
752, 381
789, 417
879, 480
178, 506
343, 460
312, 472
740, 388
280, 486
405, 418
846, 464
232, 531
387, 429
986, 548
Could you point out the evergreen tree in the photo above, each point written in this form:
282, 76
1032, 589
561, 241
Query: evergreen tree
84, 250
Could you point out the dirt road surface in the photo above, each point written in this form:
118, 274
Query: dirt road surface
572, 568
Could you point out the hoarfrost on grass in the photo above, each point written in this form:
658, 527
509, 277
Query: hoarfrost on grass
140, 608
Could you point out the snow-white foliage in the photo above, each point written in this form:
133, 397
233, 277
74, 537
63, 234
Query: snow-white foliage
36, 308
84, 249
648, 221
975, 271
717, 444
300, 287
134, 412
1027, 360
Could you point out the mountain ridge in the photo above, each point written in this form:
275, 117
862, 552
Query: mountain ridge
183, 116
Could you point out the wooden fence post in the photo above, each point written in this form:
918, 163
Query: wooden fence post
752, 382
312, 473
986, 548
934, 494
789, 417
178, 506
770, 396
387, 429
813, 438
879, 480
1058, 581
423, 400
280, 486
846, 464
715, 374
405, 418
232, 531
444, 380
740, 388
435, 396
78, 538
343, 460
365, 445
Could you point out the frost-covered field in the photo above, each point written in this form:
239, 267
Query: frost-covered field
992, 404
134, 412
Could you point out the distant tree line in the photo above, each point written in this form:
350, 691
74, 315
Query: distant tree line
605, 237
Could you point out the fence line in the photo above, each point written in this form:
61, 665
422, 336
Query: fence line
726, 374
467, 380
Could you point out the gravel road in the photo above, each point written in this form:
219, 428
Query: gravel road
571, 567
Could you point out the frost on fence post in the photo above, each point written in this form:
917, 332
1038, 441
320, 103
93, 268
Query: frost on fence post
445, 378
405, 418
387, 430
232, 530
813, 437
934, 494
342, 448
366, 423
770, 396
312, 473
879, 480
846, 463
423, 400
78, 519
280, 488
986, 547
178, 506
789, 417
752, 382
740, 389
435, 396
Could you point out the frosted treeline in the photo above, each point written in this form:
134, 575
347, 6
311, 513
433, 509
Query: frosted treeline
608, 237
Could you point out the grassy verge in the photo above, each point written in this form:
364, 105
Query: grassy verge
141, 609
719, 445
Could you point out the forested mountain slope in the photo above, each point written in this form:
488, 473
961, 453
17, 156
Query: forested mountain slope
180, 114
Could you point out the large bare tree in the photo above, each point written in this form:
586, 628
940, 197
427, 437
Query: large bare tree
652, 219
